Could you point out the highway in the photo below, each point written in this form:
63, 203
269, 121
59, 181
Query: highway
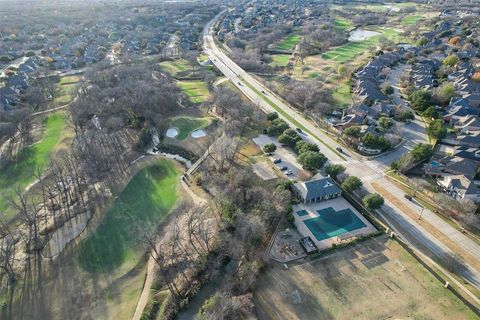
367, 170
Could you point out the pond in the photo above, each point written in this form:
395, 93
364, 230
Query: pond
172, 132
200, 133
361, 34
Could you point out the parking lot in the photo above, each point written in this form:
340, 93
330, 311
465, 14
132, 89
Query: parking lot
288, 159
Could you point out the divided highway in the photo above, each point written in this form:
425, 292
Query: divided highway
367, 170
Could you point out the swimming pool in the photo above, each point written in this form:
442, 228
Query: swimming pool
434, 163
302, 213
331, 223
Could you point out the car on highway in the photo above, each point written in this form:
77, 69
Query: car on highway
277, 160
408, 197
339, 149
239, 83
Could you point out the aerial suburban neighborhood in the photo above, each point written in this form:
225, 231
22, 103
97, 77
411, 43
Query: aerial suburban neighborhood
253, 159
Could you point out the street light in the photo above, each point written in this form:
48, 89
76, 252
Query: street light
421, 212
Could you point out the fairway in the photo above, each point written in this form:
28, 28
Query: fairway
343, 24
19, 174
196, 91
143, 203
186, 125
280, 60
410, 20
176, 68
355, 283
352, 49
288, 43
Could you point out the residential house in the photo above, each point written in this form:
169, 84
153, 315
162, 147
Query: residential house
316, 190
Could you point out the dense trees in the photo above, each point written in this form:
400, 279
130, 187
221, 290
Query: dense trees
334, 170
269, 148
431, 113
451, 60
311, 160
419, 153
373, 141
444, 93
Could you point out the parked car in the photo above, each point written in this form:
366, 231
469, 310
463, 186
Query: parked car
408, 197
299, 130
339, 149
277, 160
289, 172
284, 168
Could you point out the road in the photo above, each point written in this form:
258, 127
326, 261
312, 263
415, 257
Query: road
367, 170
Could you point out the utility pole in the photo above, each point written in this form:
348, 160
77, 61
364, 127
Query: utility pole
421, 212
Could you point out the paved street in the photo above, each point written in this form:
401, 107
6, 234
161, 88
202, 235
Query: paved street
367, 170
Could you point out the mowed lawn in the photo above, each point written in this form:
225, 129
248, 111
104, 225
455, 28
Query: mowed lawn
196, 90
147, 198
280, 60
342, 95
374, 279
288, 43
186, 125
20, 173
411, 20
343, 24
175, 67
67, 88
352, 49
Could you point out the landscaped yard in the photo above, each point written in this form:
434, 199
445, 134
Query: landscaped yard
280, 60
288, 43
186, 125
19, 174
355, 283
196, 90
144, 202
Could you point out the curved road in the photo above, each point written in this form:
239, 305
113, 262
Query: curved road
367, 170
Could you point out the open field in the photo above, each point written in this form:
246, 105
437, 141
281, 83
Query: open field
280, 60
343, 95
19, 174
146, 199
355, 283
196, 90
186, 125
179, 69
69, 80
288, 43
67, 88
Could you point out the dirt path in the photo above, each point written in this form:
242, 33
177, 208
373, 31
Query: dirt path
142, 302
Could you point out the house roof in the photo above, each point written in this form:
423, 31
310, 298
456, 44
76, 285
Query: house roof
462, 166
317, 188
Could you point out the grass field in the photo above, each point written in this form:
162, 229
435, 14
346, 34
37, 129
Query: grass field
67, 88
175, 67
343, 24
19, 174
186, 125
196, 90
69, 80
350, 50
343, 95
280, 60
356, 283
410, 20
146, 199
288, 43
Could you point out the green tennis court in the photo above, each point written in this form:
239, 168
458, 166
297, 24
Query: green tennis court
331, 223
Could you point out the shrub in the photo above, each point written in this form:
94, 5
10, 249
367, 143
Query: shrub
388, 90
422, 151
351, 184
311, 160
451, 60
376, 142
268, 148
385, 123
444, 93
289, 137
272, 116
277, 127
373, 201
404, 115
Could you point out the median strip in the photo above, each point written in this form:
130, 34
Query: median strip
286, 115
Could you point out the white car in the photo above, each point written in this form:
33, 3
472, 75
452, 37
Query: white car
289, 172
